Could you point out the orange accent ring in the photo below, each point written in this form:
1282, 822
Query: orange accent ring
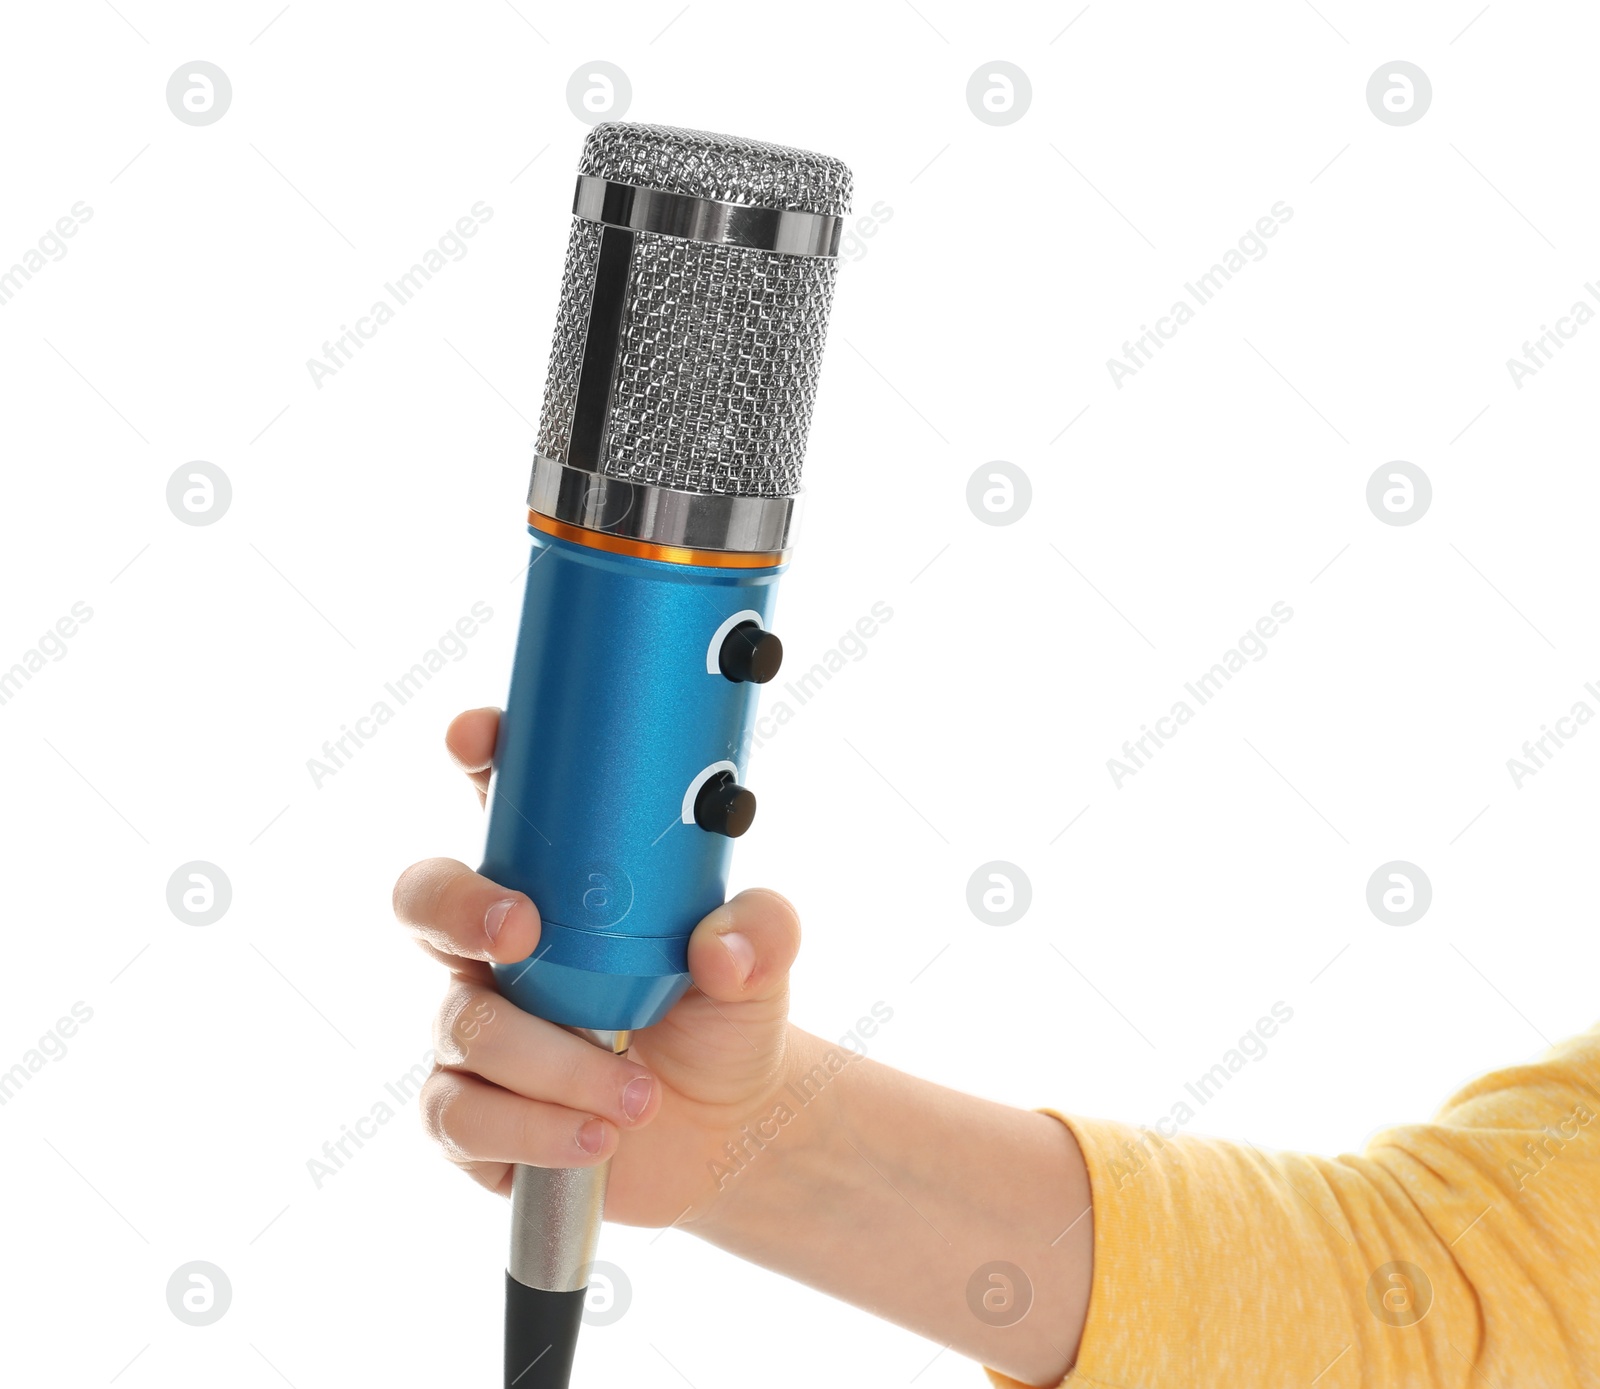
643, 549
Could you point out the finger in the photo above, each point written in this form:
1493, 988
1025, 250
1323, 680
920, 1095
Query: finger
743, 950
493, 1176
476, 1122
478, 1031
470, 741
460, 914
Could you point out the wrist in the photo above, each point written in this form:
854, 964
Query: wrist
771, 1159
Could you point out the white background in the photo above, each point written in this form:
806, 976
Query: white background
1167, 517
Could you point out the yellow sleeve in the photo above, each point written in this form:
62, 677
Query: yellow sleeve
1461, 1253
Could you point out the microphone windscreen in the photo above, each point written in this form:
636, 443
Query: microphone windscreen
695, 297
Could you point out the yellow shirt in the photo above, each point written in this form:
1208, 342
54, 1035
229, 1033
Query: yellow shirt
1461, 1253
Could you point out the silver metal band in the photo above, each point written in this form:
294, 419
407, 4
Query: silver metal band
555, 1225
786, 231
660, 515
556, 1212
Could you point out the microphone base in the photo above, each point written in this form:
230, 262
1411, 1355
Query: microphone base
541, 1335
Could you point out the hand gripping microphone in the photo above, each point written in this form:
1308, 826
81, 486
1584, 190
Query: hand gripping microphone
694, 307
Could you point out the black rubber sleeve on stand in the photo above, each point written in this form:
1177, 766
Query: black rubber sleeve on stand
541, 1335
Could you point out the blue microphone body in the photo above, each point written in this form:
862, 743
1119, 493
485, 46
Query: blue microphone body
618, 713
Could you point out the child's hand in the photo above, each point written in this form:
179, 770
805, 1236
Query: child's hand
510, 1088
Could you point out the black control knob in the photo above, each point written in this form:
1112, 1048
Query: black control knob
724, 807
750, 652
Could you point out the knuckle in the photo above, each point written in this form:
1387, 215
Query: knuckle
437, 891
574, 1069
468, 1020
403, 886
777, 910
787, 914
417, 891
437, 1105
442, 893
533, 1137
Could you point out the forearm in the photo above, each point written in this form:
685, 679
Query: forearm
892, 1193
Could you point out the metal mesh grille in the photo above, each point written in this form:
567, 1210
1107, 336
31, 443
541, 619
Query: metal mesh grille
717, 359
566, 354
717, 372
722, 167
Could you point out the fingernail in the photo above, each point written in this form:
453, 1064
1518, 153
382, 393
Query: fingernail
495, 918
744, 954
636, 1095
592, 1135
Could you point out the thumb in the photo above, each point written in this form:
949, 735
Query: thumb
742, 952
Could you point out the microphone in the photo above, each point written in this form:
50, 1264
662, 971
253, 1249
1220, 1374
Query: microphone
694, 309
